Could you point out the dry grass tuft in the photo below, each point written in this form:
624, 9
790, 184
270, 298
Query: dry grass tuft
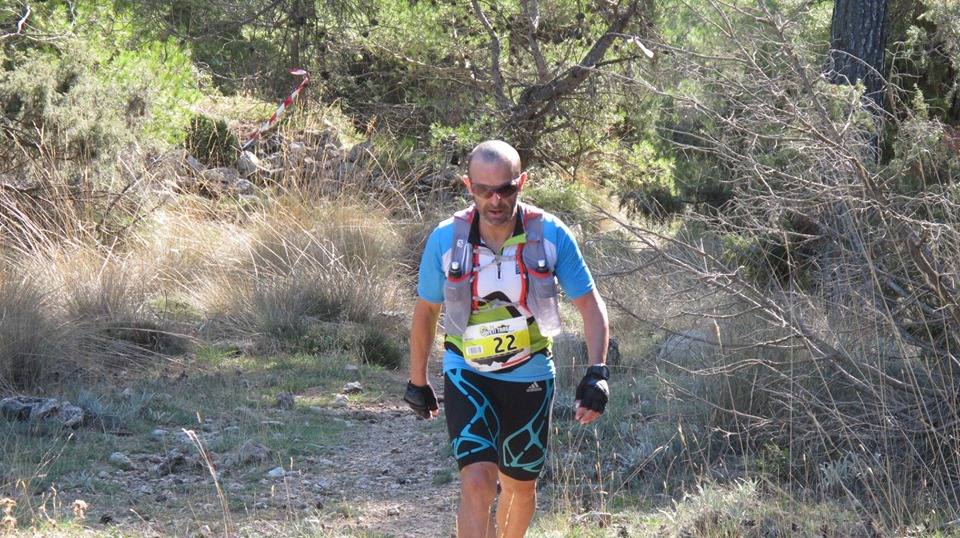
300, 265
34, 342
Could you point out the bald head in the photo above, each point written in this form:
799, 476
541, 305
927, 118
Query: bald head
496, 153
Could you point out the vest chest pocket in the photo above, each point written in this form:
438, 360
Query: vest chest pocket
543, 285
457, 302
543, 301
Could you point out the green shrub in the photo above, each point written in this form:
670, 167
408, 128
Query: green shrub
925, 159
376, 346
788, 252
210, 141
80, 115
568, 200
97, 88
158, 84
651, 200
645, 183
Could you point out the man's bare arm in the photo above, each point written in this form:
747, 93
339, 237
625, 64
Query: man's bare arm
422, 333
596, 331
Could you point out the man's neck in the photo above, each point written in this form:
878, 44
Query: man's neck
494, 236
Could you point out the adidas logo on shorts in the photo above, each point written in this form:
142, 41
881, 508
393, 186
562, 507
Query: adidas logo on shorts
534, 387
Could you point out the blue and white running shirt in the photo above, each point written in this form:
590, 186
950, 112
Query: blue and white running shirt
499, 287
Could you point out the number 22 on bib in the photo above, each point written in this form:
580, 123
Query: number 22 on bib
497, 344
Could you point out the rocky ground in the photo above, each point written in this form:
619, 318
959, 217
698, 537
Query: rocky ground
298, 445
397, 474
332, 456
388, 475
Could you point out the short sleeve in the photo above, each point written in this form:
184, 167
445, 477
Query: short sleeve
571, 270
431, 276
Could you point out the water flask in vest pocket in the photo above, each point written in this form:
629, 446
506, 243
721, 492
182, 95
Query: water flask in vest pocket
457, 301
543, 299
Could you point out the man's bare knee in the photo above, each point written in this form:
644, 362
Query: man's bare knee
518, 487
478, 482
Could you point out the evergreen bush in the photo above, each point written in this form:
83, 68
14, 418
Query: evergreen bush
211, 142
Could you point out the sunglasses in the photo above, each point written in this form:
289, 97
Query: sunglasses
504, 191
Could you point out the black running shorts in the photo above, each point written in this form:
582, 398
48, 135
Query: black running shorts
503, 422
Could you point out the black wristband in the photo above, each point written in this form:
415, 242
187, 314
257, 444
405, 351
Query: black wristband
599, 371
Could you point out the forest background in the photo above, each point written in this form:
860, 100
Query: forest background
767, 193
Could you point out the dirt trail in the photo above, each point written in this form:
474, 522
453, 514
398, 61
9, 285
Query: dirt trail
387, 474
391, 468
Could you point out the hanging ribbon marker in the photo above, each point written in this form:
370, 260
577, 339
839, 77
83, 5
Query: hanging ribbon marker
283, 106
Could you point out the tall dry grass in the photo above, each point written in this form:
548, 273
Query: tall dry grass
32, 337
78, 301
117, 271
302, 263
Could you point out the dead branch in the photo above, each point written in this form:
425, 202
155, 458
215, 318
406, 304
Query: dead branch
535, 98
498, 87
20, 24
531, 13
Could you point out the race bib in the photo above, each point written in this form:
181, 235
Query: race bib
487, 341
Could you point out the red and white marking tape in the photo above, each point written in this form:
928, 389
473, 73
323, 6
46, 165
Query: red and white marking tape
283, 106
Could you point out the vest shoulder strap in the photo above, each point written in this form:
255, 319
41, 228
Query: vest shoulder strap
532, 222
534, 251
460, 249
465, 214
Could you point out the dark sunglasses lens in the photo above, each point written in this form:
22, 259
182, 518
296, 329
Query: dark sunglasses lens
482, 191
507, 191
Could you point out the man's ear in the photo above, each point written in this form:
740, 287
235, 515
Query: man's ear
523, 179
466, 183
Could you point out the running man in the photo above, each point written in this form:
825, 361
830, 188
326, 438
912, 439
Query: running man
494, 267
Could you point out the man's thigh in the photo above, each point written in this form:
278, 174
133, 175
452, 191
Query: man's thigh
504, 422
472, 420
525, 428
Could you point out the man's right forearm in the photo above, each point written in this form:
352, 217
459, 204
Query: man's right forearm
423, 330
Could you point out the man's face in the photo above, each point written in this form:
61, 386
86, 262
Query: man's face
490, 185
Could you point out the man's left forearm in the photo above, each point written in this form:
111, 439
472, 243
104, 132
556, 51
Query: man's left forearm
592, 392
596, 328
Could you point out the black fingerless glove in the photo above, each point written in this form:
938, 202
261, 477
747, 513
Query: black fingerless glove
421, 399
592, 392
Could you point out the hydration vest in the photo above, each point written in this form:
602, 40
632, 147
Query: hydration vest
539, 295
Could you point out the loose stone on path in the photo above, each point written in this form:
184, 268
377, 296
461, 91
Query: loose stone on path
352, 388
121, 461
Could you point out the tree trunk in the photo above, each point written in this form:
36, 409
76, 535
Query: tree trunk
858, 37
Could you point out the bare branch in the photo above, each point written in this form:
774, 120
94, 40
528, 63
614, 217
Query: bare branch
20, 24
499, 94
531, 12
535, 98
